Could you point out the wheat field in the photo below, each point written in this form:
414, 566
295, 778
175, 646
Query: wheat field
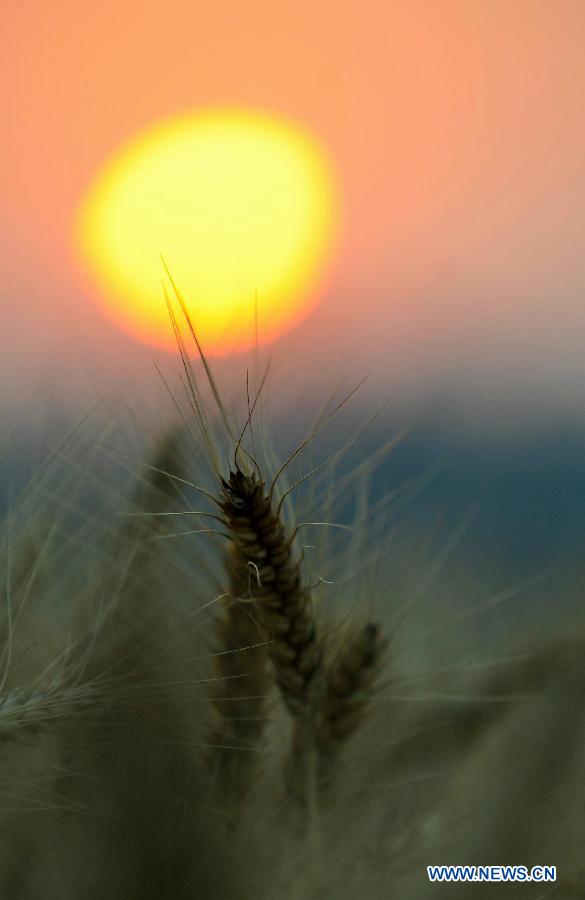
215, 687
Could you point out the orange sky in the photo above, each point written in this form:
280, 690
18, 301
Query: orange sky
456, 126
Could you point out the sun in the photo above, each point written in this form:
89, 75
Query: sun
242, 206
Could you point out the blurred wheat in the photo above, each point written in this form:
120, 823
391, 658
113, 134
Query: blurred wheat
182, 716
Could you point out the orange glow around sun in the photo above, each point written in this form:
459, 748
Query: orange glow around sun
243, 208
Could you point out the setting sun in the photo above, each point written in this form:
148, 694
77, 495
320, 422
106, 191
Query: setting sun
243, 208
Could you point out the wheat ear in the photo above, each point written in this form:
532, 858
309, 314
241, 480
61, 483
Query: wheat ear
348, 690
263, 551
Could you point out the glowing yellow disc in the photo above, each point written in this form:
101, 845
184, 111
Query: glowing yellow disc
243, 208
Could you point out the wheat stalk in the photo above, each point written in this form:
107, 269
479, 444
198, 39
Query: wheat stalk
267, 599
239, 696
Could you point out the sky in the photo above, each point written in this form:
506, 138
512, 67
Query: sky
457, 134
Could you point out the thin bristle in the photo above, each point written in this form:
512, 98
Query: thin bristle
33, 710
